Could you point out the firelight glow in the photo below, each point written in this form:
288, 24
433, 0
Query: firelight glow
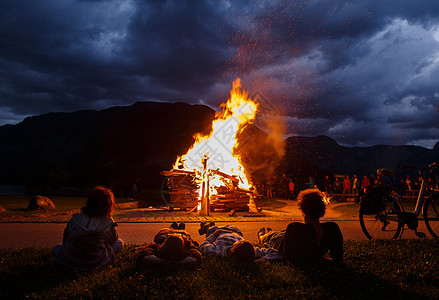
219, 145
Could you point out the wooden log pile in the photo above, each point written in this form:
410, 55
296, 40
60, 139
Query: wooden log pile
229, 199
183, 189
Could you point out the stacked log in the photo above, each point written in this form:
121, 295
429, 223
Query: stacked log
183, 189
228, 199
183, 192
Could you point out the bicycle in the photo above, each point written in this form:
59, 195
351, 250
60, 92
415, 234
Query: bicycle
382, 215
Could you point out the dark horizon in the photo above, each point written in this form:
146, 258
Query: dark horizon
285, 137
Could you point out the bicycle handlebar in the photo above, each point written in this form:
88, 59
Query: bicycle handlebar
433, 165
413, 167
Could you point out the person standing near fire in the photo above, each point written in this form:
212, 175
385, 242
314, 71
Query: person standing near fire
355, 185
346, 187
327, 184
311, 182
337, 186
271, 182
365, 184
291, 187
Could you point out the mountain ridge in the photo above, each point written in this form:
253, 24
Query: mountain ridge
125, 144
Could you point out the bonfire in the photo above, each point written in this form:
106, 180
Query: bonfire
210, 175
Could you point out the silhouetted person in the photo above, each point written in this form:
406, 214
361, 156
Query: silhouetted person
307, 243
327, 183
90, 240
365, 184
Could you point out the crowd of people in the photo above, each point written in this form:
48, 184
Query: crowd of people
344, 186
90, 239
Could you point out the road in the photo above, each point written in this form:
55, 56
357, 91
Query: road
21, 235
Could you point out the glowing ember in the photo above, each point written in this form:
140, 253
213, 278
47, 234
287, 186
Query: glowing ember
216, 150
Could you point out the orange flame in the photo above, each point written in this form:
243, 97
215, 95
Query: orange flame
218, 146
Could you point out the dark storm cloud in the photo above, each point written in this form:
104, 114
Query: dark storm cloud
66, 56
330, 67
357, 65
180, 46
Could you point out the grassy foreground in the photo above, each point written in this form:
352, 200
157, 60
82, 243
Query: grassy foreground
401, 269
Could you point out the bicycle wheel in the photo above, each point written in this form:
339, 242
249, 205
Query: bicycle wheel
165, 190
431, 215
382, 224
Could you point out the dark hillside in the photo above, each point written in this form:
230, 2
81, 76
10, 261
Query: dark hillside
121, 146
115, 146
321, 155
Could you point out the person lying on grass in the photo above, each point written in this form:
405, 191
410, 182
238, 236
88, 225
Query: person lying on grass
170, 245
90, 240
306, 243
228, 241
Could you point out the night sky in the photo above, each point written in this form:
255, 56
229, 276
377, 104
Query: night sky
361, 72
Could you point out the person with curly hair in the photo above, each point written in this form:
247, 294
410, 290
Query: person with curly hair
90, 239
305, 243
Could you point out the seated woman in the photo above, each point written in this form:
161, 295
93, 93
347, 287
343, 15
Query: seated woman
308, 242
90, 240
170, 245
229, 241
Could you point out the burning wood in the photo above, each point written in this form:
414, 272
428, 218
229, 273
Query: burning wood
210, 170
184, 191
182, 187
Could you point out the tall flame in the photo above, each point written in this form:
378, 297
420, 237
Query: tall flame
219, 145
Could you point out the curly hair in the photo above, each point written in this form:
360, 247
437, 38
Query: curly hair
243, 251
311, 203
100, 202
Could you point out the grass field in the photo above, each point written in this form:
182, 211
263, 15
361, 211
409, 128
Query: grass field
396, 269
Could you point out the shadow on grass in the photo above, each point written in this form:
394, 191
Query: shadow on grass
28, 271
343, 282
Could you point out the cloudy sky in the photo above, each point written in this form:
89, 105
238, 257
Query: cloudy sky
361, 72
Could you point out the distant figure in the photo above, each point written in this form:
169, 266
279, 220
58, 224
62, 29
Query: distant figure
372, 180
365, 184
228, 241
337, 186
346, 186
307, 243
90, 240
270, 187
327, 184
284, 186
311, 182
355, 185
291, 187
170, 245
401, 187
